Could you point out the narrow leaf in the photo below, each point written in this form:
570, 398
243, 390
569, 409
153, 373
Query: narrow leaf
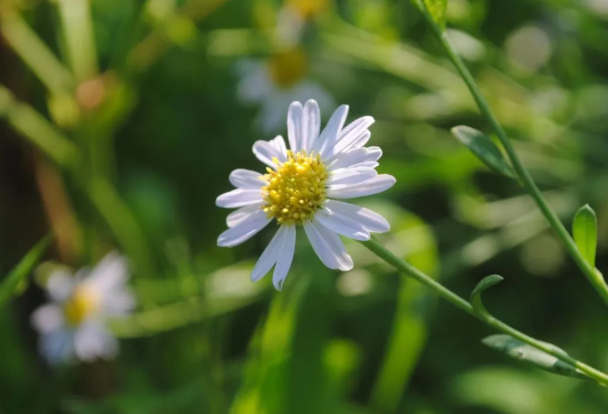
530, 355
484, 284
435, 8
10, 284
584, 231
484, 148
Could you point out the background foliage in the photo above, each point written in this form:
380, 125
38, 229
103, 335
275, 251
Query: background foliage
155, 126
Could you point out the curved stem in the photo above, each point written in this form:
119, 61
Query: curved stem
440, 290
594, 278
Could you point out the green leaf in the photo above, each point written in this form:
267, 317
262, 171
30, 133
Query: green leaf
584, 231
11, 283
435, 8
484, 284
413, 240
484, 148
530, 355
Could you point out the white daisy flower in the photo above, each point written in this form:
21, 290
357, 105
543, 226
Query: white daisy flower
300, 187
74, 324
275, 83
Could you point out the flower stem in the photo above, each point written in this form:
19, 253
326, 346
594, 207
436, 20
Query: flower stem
440, 290
594, 277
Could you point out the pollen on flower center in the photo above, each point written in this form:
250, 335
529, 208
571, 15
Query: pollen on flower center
288, 67
81, 304
296, 190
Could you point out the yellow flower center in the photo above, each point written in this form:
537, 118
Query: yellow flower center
309, 8
288, 67
296, 190
80, 305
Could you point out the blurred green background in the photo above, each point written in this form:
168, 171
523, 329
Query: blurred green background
120, 121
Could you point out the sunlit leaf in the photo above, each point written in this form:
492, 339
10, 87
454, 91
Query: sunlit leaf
11, 283
584, 231
483, 147
484, 284
528, 354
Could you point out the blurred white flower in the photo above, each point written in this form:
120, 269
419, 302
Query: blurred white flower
299, 188
74, 324
529, 48
293, 17
275, 83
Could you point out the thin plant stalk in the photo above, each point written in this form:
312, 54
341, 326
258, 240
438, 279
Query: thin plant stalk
592, 275
441, 291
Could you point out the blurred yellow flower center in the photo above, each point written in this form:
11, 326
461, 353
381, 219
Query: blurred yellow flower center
80, 305
296, 190
288, 67
308, 8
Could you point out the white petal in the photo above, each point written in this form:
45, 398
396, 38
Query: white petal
342, 225
351, 176
295, 124
47, 318
244, 230
345, 262
354, 157
359, 141
328, 246
255, 83
356, 127
366, 164
319, 245
373, 186
242, 213
239, 198
92, 341
285, 256
59, 285
351, 134
265, 152
270, 255
350, 143
112, 272
279, 143
372, 221
57, 346
246, 179
312, 124
118, 302
329, 136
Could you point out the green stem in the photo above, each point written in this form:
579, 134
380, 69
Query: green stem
424, 279
78, 36
51, 141
597, 282
441, 291
35, 53
34, 127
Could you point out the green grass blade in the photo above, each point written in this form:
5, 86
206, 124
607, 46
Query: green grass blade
584, 232
11, 282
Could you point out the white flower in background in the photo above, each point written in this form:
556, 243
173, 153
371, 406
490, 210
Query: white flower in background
299, 188
74, 324
293, 17
275, 83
